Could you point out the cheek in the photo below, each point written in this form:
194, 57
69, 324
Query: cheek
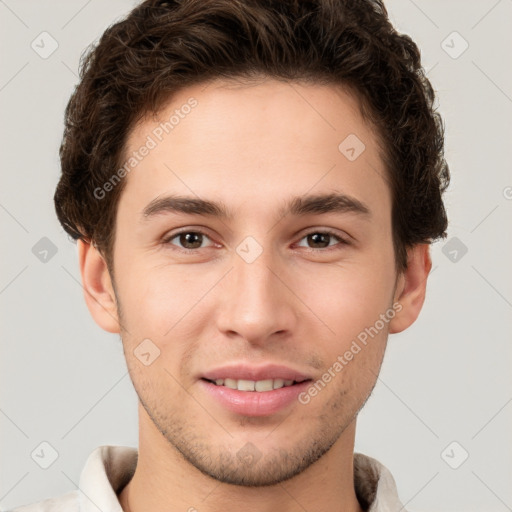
347, 298
350, 301
158, 302
161, 306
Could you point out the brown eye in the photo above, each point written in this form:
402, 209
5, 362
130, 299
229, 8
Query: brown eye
191, 240
322, 240
187, 240
319, 240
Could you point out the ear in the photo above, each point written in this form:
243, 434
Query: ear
98, 290
411, 287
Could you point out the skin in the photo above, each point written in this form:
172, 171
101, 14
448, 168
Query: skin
301, 303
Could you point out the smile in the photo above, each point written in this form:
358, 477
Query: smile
253, 385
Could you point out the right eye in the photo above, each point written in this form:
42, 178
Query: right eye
189, 240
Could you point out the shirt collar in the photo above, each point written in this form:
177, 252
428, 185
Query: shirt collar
109, 468
375, 486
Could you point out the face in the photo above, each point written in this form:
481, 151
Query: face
238, 276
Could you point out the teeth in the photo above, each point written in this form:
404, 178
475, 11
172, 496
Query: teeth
251, 385
246, 385
264, 385
231, 383
278, 383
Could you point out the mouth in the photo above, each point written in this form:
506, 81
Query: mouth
257, 386
254, 390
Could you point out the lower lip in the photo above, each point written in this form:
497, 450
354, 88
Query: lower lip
255, 403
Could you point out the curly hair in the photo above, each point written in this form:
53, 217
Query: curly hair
162, 47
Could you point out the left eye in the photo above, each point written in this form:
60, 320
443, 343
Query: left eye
322, 239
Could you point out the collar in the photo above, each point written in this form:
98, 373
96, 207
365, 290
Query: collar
109, 468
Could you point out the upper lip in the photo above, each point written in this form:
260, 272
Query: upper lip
255, 373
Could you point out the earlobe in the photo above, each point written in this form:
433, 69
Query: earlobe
411, 288
98, 290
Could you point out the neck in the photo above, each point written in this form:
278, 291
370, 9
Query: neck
165, 482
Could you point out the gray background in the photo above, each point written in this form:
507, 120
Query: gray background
446, 379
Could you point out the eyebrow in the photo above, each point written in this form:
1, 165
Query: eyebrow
298, 206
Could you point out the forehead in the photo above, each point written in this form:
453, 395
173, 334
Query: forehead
235, 141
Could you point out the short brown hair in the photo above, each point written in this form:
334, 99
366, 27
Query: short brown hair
164, 46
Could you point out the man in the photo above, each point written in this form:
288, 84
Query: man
254, 186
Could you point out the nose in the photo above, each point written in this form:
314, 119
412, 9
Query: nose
257, 303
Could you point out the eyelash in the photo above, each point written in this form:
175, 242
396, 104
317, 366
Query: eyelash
342, 241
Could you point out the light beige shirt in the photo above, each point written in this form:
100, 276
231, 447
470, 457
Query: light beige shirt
109, 468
